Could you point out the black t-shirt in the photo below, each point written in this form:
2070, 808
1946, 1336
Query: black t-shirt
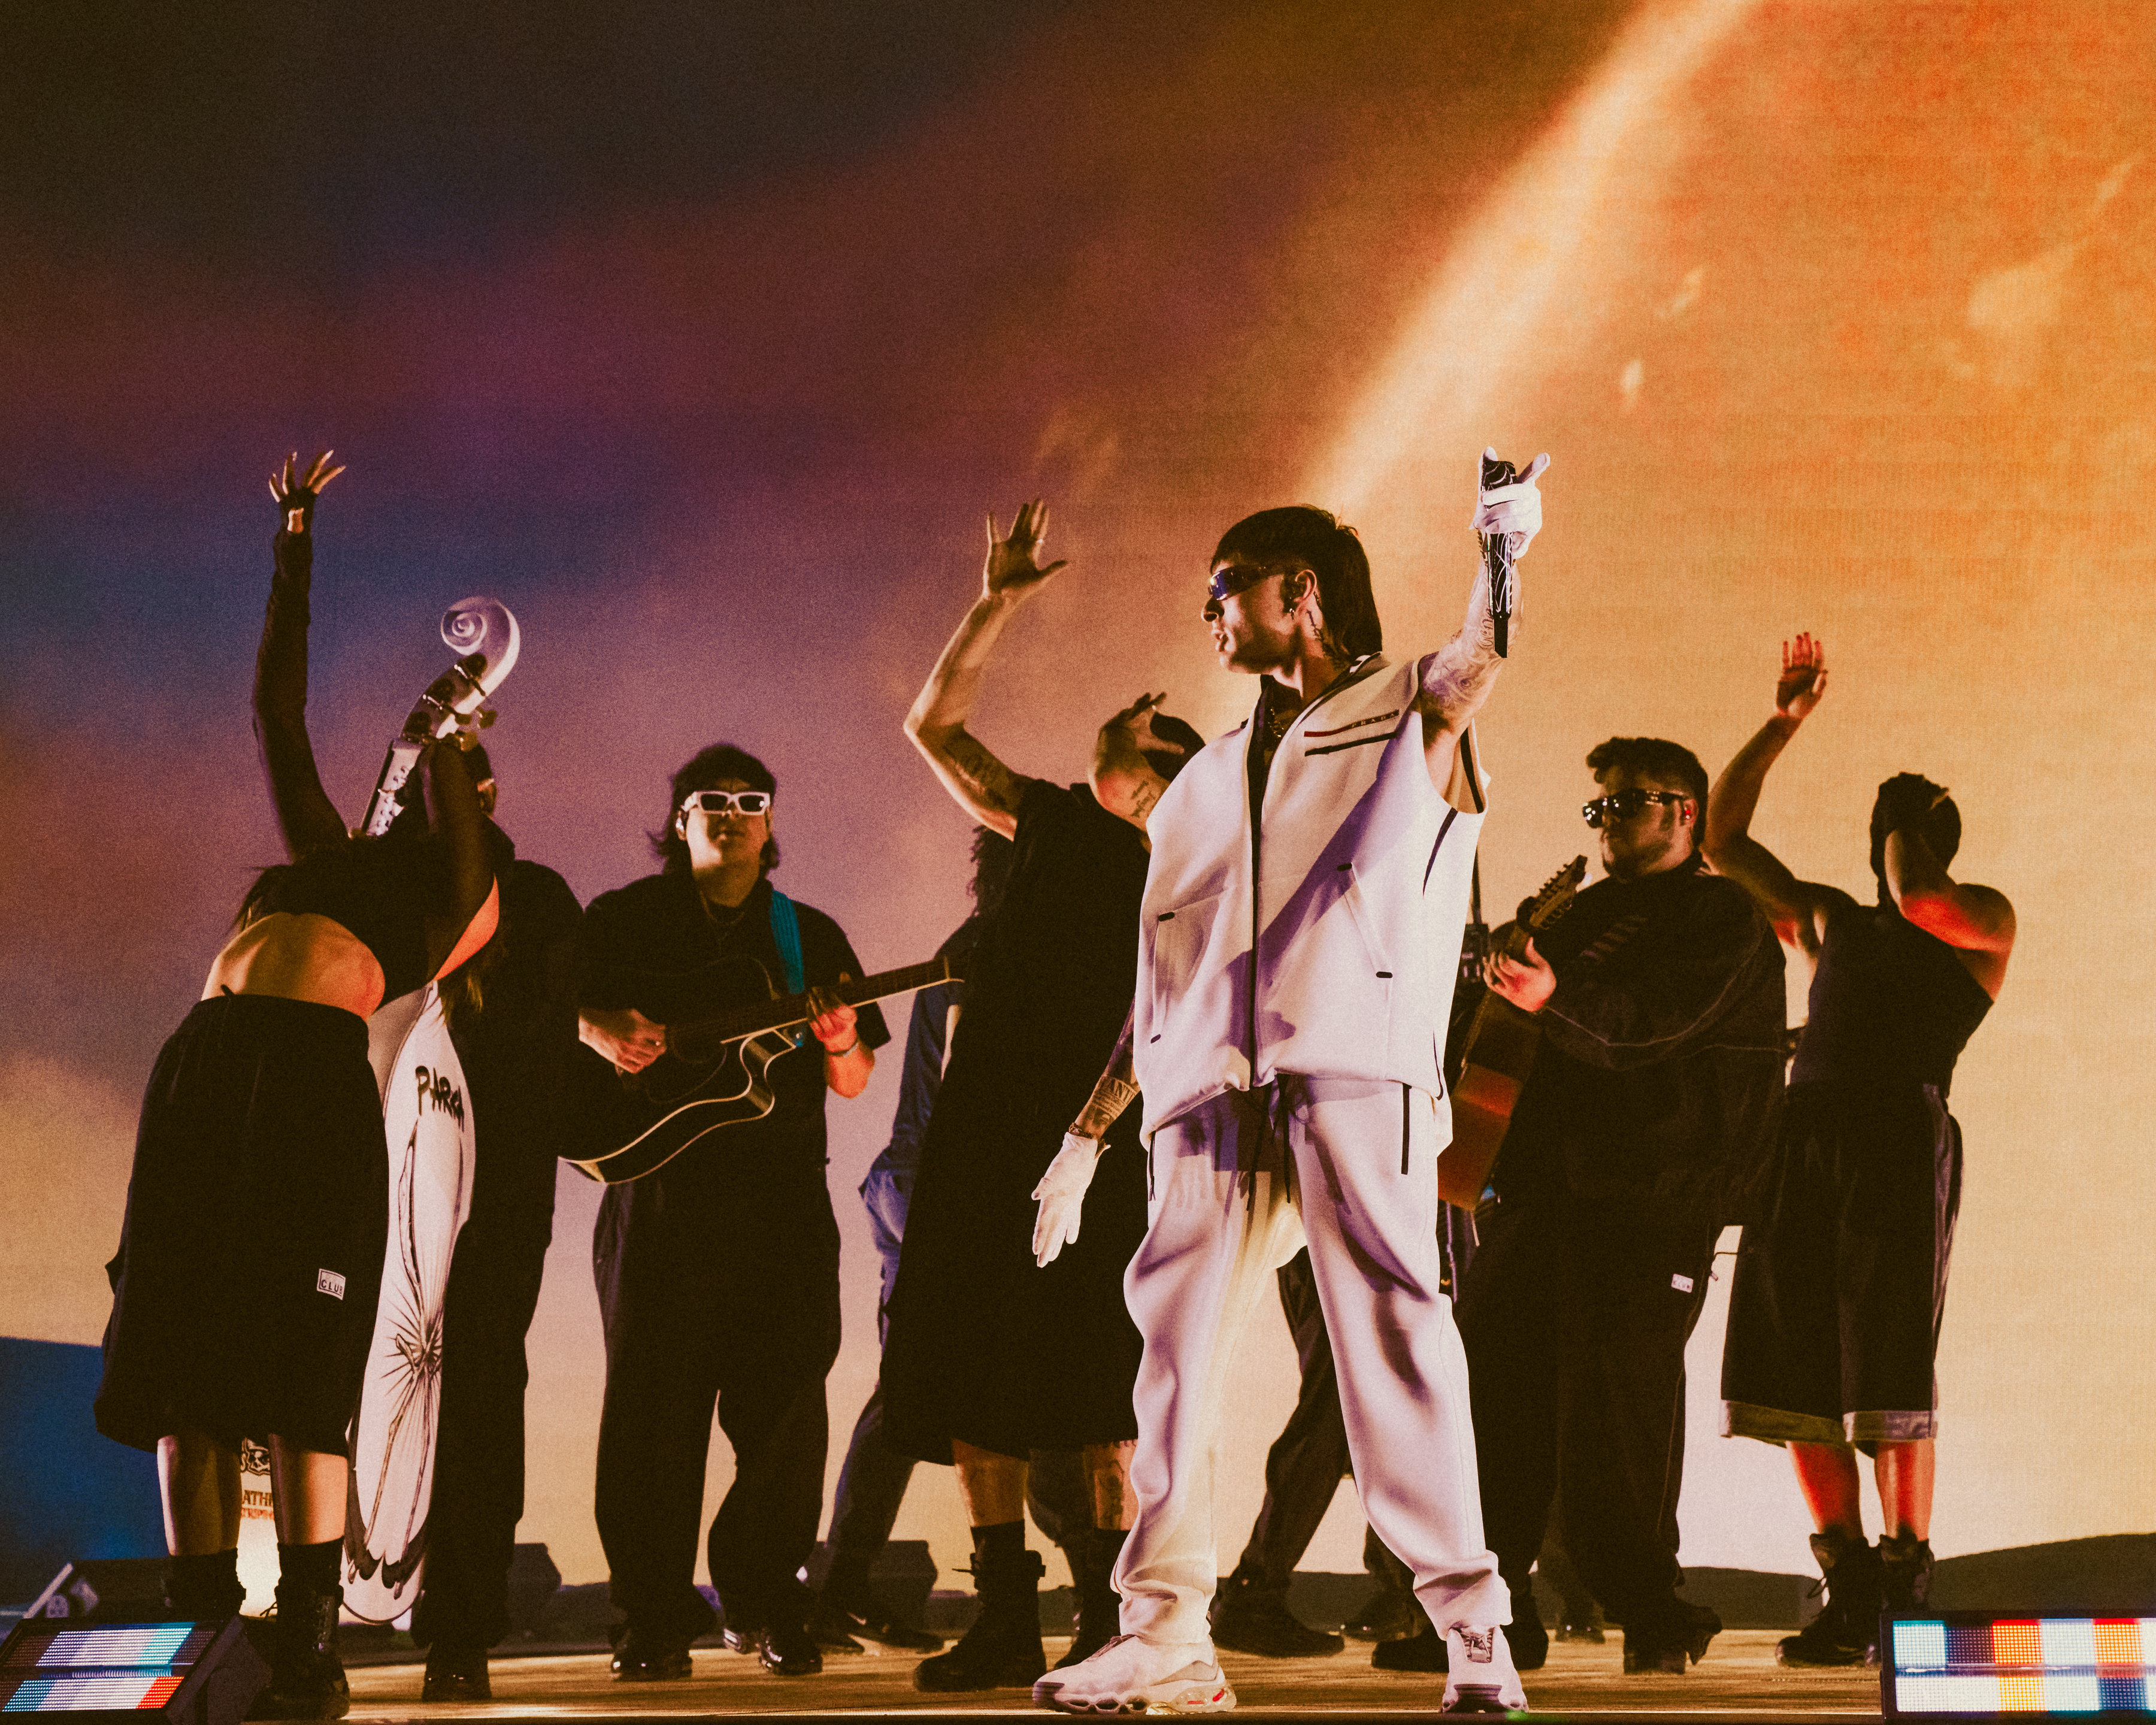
648, 945
516, 1044
1052, 979
1889, 1003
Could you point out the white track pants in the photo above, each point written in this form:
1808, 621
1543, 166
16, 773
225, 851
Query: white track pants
1228, 1179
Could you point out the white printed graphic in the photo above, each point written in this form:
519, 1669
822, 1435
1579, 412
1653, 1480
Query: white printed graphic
430, 1124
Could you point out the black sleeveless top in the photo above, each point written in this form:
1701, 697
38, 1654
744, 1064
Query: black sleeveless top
377, 889
1890, 1004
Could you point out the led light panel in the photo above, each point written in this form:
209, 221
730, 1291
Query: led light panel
111, 1669
1975, 1666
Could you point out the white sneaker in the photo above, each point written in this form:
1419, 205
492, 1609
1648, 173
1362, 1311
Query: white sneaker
1133, 1675
1481, 1677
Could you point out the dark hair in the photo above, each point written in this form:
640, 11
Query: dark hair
1654, 758
1909, 799
722, 760
992, 855
1169, 729
482, 767
1301, 537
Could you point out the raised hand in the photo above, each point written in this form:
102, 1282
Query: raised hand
1803, 680
295, 492
1012, 566
1516, 511
1135, 721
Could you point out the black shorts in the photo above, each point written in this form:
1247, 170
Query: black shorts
258, 1211
1835, 1310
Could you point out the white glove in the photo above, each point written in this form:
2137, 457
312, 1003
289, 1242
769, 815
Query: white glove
1516, 511
1062, 1195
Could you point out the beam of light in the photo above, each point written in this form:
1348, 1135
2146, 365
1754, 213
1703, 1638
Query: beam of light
1518, 268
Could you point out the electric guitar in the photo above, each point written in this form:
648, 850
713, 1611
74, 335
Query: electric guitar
1500, 1052
715, 1071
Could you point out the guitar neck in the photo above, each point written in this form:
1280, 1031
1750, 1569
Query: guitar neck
777, 1013
1549, 906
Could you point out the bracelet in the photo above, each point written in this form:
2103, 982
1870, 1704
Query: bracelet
840, 1054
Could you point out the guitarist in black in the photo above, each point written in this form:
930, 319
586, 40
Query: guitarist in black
1650, 1108
718, 1273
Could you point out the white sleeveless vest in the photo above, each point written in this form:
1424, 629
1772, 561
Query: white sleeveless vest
1329, 947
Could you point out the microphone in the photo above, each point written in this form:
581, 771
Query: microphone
1497, 557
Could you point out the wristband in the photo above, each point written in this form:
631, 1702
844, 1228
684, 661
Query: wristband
840, 1054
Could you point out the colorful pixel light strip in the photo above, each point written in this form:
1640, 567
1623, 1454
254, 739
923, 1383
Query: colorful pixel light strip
128, 1644
108, 1691
2028, 1665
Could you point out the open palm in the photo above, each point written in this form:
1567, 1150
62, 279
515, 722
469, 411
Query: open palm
1013, 565
1804, 678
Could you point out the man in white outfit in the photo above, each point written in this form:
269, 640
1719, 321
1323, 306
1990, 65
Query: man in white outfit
1301, 933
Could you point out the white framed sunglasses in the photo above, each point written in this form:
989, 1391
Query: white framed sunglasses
726, 803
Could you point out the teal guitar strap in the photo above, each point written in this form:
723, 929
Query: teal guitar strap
786, 930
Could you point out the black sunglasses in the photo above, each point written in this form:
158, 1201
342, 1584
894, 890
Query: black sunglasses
1237, 577
1622, 805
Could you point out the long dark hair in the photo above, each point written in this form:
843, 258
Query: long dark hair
703, 770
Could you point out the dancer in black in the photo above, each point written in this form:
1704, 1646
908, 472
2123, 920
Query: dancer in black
1835, 1312
512, 1015
872, 1481
250, 1261
1645, 1119
718, 1273
990, 1357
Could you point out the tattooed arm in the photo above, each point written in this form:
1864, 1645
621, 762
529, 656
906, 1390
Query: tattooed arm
1457, 678
985, 788
1115, 1091
1798, 909
1124, 781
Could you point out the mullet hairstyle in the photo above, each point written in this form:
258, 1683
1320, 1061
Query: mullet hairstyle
1302, 537
722, 760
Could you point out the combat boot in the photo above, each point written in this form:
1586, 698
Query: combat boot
1848, 1624
1003, 1649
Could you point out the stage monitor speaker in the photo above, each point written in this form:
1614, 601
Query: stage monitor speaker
106, 1590
1973, 1665
203, 1673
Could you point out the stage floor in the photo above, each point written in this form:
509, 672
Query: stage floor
1739, 1679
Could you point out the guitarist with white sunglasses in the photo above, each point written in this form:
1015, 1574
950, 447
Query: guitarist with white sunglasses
718, 1270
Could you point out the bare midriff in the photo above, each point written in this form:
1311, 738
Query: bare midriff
299, 957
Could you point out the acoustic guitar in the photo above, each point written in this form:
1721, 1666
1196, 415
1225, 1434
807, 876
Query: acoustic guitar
1499, 1053
715, 1070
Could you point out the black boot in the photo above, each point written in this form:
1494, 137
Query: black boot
197, 1588
1093, 1559
1905, 1582
306, 1677
1525, 1635
1663, 1642
1848, 1623
1002, 1649
1252, 1616
456, 1670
